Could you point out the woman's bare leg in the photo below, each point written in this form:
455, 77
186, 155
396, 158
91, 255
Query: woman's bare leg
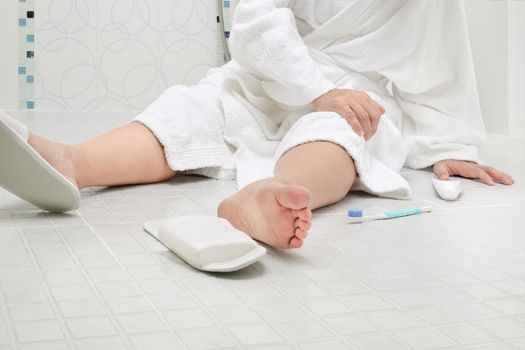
324, 168
130, 154
277, 210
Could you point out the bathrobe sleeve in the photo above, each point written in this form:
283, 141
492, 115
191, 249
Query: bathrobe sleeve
265, 41
436, 89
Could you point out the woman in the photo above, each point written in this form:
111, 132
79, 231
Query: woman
322, 96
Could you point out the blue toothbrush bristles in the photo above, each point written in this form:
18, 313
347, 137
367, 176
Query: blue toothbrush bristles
355, 213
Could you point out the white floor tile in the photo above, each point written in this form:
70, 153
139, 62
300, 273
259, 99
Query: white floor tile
92, 279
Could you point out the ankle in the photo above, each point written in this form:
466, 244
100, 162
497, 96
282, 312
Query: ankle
71, 154
224, 210
37, 142
30, 139
231, 209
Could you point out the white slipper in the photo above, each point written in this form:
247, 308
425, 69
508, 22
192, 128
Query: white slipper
27, 175
15, 125
206, 243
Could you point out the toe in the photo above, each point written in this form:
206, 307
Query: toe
303, 225
293, 197
295, 242
304, 214
300, 233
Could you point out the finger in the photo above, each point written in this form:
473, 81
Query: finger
471, 171
441, 171
499, 176
475, 172
363, 117
485, 177
375, 115
376, 105
351, 118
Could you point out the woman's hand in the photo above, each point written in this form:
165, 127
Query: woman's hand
446, 168
359, 110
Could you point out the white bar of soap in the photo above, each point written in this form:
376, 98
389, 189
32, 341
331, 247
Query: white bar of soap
206, 243
447, 189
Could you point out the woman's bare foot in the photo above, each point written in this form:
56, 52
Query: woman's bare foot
58, 155
271, 212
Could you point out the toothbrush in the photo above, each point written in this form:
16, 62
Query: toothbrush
355, 216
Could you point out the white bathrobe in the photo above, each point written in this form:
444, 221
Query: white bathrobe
412, 56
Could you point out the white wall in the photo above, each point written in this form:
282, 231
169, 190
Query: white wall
517, 68
497, 30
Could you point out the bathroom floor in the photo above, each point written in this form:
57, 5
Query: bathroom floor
92, 279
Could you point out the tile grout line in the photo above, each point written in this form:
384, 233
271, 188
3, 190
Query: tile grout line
132, 278
37, 270
121, 332
197, 302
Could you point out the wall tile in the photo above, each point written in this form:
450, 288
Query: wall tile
128, 45
187, 41
115, 55
66, 54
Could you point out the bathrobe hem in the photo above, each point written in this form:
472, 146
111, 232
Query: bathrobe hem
468, 154
188, 157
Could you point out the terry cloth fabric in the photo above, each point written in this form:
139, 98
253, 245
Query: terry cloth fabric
412, 56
